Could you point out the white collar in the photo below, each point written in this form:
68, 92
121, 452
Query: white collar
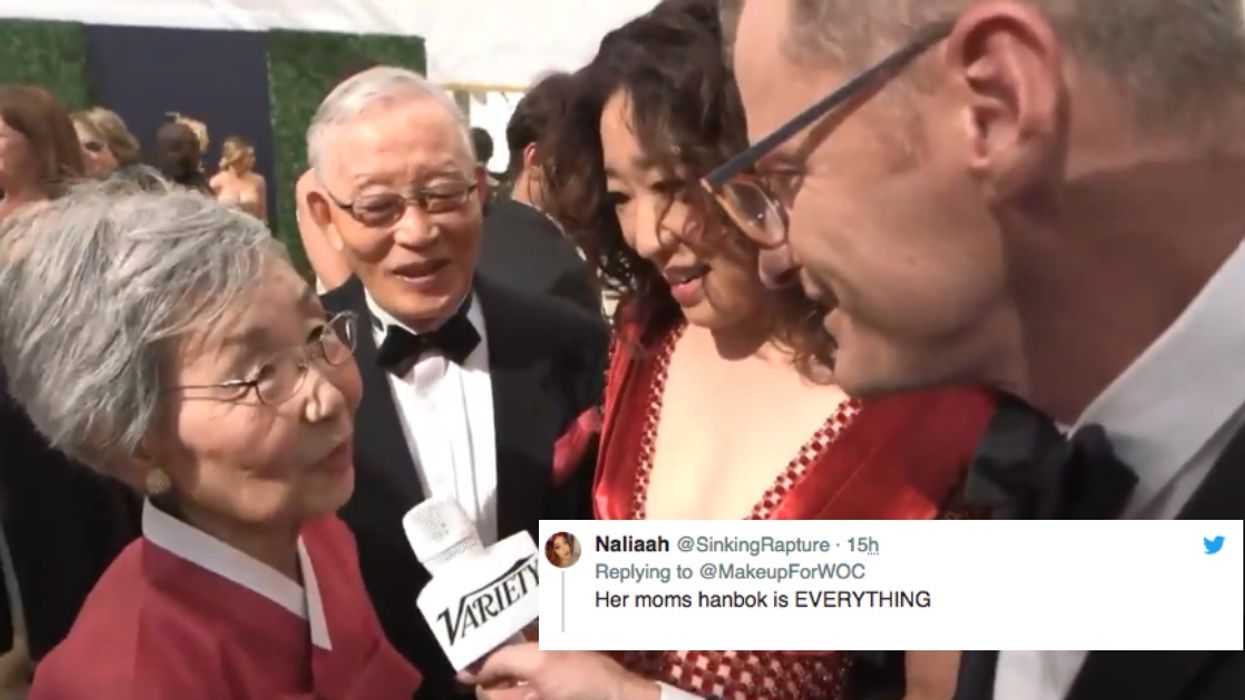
209, 553
474, 315
1183, 389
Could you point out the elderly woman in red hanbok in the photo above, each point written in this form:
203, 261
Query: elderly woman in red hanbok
166, 341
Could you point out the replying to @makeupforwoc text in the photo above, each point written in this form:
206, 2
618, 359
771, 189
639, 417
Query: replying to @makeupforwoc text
891, 585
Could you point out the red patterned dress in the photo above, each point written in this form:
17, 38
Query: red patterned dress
899, 457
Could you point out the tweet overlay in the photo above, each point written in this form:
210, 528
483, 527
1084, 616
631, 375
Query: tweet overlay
894, 585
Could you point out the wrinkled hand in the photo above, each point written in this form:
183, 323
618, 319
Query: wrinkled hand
556, 675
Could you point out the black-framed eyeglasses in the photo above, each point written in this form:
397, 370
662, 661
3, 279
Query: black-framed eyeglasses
282, 375
384, 209
745, 197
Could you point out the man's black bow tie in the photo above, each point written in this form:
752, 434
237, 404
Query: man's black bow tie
1026, 469
455, 339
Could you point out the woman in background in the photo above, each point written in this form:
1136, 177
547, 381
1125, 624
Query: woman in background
39, 151
106, 142
720, 401
237, 184
61, 524
121, 142
96, 155
166, 341
196, 126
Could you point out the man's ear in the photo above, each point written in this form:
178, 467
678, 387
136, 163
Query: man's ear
483, 188
1006, 54
529, 155
321, 210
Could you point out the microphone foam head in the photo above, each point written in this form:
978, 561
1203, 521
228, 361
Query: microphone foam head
439, 531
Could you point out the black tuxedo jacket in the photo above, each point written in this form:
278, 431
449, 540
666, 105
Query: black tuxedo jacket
547, 367
523, 249
1155, 675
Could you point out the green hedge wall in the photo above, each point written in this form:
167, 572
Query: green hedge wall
51, 54
302, 67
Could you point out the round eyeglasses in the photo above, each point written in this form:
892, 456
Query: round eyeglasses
384, 210
750, 204
278, 379
753, 208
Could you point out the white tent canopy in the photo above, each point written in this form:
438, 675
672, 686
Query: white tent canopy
488, 44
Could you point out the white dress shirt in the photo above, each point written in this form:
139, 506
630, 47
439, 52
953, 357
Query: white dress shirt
203, 550
446, 411
1169, 416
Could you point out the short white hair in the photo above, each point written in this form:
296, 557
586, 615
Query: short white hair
376, 87
99, 285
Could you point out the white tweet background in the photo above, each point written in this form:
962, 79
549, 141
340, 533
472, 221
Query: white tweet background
1006, 585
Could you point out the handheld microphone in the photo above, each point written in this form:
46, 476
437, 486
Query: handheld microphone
479, 598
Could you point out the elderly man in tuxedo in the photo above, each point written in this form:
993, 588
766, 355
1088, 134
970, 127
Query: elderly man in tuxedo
469, 388
1042, 195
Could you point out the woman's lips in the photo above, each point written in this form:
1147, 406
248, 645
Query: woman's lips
339, 460
687, 284
689, 293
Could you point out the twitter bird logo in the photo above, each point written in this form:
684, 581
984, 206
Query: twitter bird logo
1213, 546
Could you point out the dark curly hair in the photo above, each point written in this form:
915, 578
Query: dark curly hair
688, 118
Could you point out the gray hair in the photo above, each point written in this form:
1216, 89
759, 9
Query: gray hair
1172, 57
375, 87
98, 286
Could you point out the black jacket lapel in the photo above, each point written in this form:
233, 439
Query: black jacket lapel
380, 446
1222, 495
976, 676
523, 451
1171, 675
1138, 675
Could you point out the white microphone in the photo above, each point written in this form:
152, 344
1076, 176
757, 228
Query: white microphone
479, 598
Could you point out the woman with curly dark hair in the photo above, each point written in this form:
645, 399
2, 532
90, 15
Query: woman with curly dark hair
720, 401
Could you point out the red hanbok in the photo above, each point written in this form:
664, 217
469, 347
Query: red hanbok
182, 616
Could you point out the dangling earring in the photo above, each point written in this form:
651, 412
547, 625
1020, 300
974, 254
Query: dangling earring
157, 482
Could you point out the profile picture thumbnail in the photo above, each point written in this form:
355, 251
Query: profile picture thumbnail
562, 549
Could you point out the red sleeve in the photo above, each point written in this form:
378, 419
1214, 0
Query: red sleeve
593, 424
362, 665
165, 666
570, 449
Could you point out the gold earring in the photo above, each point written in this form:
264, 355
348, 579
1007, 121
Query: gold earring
157, 482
